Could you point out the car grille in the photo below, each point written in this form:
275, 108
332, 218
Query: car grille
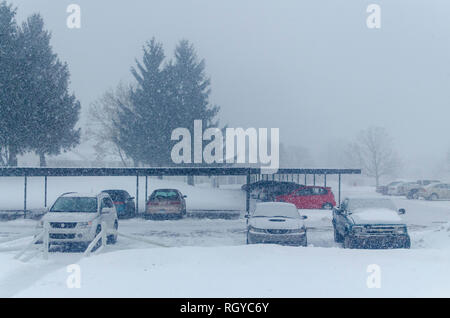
60, 225
58, 236
277, 231
380, 229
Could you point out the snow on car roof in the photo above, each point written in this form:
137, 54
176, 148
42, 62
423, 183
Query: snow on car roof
80, 195
274, 204
271, 209
369, 203
376, 215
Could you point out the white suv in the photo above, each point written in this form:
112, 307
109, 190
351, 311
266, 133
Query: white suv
78, 218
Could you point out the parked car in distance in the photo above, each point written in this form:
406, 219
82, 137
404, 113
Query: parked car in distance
395, 188
405, 187
435, 191
310, 197
124, 203
413, 190
427, 182
370, 223
384, 189
166, 203
76, 219
276, 223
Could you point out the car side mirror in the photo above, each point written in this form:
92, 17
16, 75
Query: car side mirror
401, 211
304, 217
130, 199
105, 210
184, 196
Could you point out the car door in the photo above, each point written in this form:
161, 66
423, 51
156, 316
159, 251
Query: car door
440, 189
321, 197
340, 216
446, 194
107, 212
303, 198
129, 201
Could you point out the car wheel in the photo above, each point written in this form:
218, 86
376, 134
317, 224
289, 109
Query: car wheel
337, 236
349, 242
407, 244
434, 197
112, 239
99, 243
327, 206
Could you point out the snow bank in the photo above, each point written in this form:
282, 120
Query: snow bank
252, 271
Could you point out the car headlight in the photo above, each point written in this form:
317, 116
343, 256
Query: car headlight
84, 224
402, 230
298, 231
357, 229
256, 230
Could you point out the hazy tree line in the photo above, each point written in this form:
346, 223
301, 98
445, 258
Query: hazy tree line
137, 120
37, 112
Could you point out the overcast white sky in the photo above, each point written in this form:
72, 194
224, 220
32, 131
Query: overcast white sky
311, 68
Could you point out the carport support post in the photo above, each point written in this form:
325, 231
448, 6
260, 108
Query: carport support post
306, 181
339, 190
146, 190
25, 198
45, 192
247, 205
325, 180
137, 194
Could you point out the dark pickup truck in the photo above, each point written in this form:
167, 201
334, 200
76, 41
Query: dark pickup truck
370, 223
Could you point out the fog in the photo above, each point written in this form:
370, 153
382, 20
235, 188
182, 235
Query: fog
311, 68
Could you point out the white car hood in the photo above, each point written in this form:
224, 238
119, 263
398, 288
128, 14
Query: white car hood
69, 217
276, 223
376, 216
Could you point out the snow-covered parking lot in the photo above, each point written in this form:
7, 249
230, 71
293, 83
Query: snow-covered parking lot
209, 258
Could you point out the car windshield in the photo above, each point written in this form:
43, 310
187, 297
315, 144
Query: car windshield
164, 195
117, 195
276, 210
75, 204
356, 204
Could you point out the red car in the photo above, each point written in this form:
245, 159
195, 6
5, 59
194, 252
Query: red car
310, 197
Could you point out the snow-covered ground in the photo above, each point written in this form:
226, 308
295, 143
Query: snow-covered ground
209, 258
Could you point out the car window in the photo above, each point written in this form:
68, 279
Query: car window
304, 192
75, 204
117, 195
164, 195
273, 210
355, 204
107, 203
318, 191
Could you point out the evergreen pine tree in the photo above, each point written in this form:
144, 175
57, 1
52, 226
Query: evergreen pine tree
52, 112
